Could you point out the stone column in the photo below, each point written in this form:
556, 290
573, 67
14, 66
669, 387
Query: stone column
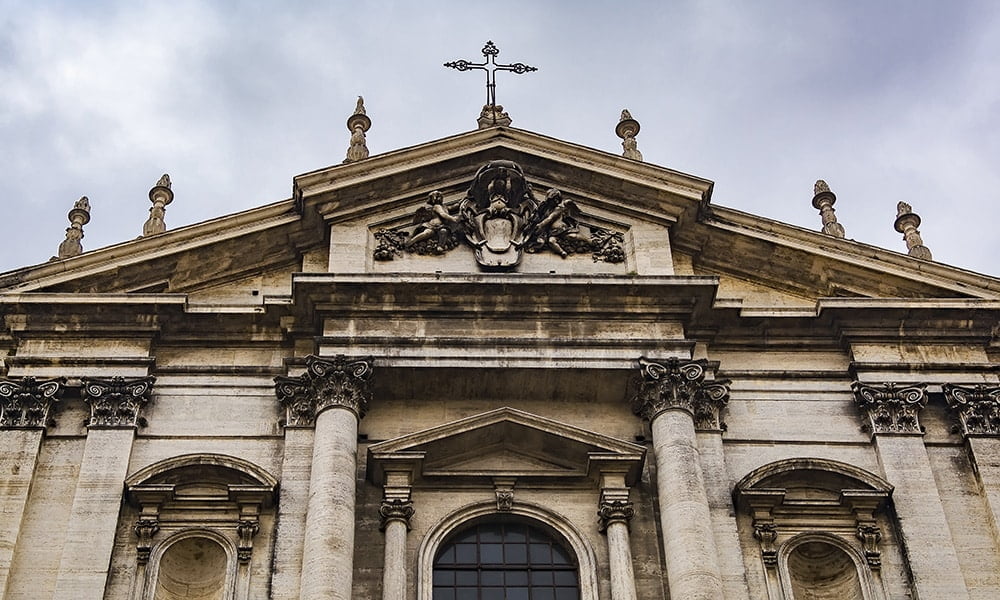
891, 414
673, 396
977, 410
615, 512
394, 516
296, 466
114, 416
25, 405
334, 394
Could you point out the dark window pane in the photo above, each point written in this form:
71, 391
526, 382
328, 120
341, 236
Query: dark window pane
468, 536
448, 556
517, 593
565, 578
541, 578
567, 594
466, 578
516, 555
493, 594
466, 594
443, 577
559, 556
465, 554
515, 534
543, 594
491, 554
517, 578
444, 594
491, 578
541, 554
492, 535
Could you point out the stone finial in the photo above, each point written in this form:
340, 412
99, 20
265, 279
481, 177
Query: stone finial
627, 129
906, 223
823, 200
358, 124
679, 384
160, 195
116, 402
976, 408
25, 403
327, 382
79, 216
493, 115
890, 408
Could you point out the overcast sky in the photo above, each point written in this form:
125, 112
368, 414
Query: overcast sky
886, 101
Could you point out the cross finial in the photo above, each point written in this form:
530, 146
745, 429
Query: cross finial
490, 52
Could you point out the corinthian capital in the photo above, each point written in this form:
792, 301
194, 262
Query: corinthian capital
25, 403
338, 381
977, 408
891, 408
395, 509
116, 402
678, 384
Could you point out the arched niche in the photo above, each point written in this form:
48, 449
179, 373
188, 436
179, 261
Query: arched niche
193, 565
555, 525
801, 509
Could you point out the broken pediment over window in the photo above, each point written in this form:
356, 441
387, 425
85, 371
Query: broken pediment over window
500, 218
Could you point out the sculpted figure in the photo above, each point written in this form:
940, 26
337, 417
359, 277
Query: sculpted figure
559, 223
434, 219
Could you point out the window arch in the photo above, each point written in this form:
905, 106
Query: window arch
477, 519
504, 560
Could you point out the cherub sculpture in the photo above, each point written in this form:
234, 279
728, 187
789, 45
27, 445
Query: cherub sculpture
434, 219
559, 223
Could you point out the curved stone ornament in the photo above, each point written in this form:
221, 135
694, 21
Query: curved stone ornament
395, 509
116, 402
890, 408
976, 408
614, 511
337, 381
679, 384
25, 403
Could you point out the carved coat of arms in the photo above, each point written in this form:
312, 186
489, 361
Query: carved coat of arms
500, 219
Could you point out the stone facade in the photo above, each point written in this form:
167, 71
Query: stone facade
319, 398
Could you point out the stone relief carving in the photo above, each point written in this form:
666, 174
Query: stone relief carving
145, 528
337, 381
976, 408
500, 219
25, 403
889, 408
246, 529
116, 402
870, 536
614, 511
680, 384
394, 509
767, 534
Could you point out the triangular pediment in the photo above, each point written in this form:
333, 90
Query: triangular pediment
505, 442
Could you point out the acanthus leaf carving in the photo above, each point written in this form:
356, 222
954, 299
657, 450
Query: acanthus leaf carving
246, 529
26, 403
395, 509
500, 219
767, 534
891, 408
976, 408
338, 381
614, 511
116, 402
680, 384
870, 535
145, 528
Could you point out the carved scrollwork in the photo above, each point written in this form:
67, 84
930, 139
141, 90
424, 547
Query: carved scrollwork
890, 408
677, 384
246, 529
614, 511
395, 509
870, 536
500, 219
976, 408
116, 402
767, 534
145, 528
340, 381
25, 403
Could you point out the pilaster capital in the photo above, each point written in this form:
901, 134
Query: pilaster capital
145, 528
890, 408
338, 381
680, 384
246, 529
395, 509
766, 533
25, 403
116, 402
976, 408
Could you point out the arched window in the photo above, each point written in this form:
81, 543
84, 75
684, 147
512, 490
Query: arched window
504, 561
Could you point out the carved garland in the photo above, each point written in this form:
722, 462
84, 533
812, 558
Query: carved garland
25, 403
890, 408
338, 381
116, 402
678, 384
976, 408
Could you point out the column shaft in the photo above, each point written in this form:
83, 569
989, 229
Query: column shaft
394, 569
86, 556
18, 459
689, 546
292, 506
620, 560
720, 502
927, 539
328, 548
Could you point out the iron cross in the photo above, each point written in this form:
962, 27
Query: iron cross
490, 51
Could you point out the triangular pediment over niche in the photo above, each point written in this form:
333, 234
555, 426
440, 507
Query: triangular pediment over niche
505, 442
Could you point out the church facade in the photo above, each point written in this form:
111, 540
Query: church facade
499, 365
